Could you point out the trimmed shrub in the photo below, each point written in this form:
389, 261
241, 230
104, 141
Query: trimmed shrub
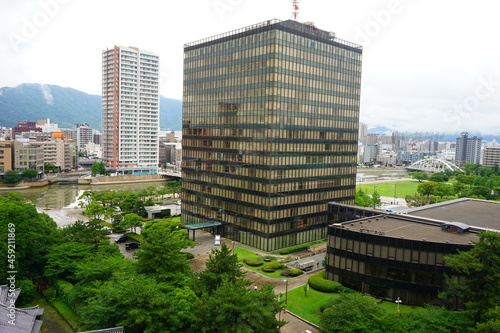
268, 269
253, 263
319, 283
294, 272
298, 248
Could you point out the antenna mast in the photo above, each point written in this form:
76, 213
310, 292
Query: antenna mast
295, 13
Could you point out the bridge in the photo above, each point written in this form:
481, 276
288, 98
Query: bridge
433, 165
170, 173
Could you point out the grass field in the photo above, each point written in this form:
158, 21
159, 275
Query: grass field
308, 305
388, 189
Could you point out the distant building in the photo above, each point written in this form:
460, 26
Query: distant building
24, 126
468, 150
84, 135
130, 110
491, 157
401, 255
27, 155
6, 156
270, 131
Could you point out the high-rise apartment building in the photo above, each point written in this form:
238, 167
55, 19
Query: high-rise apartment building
491, 157
270, 130
130, 110
468, 150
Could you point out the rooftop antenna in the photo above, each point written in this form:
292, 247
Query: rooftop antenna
295, 13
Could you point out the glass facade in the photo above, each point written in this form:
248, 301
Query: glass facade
270, 130
389, 267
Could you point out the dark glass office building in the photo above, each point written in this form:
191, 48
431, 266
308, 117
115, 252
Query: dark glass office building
270, 131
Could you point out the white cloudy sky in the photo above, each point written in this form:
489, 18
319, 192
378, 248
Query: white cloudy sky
427, 65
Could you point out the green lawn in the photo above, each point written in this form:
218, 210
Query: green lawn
386, 189
308, 306
52, 320
245, 254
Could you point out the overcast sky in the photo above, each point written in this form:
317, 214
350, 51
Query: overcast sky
427, 65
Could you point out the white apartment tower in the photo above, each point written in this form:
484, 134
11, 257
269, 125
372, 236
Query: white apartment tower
130, 110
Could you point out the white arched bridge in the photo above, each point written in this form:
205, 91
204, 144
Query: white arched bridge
433, 165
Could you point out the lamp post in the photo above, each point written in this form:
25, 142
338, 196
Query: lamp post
286, 291
397, 302
394, 193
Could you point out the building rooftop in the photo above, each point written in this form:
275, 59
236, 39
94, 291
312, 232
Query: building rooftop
307, 28
399, 226
478, 214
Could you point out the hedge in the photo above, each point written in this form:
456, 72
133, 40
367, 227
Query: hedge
319, 283
298, 248
294, 272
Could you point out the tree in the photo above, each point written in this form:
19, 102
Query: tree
142, 304
419, 175
160, 255
131, 203
426, 189
222, 265
235, 308
352, 312
415, 200
50, 168
376, 202
131, 220
63, 259
443, 190
481, 290
98, 168
26, 237
439, 177
362, 199
12, 177
173, 187
30, 173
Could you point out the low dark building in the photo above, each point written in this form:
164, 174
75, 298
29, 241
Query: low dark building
391, 255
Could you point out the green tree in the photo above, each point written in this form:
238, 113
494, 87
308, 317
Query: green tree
63, 260
352, 312
415, 200
26, 237
166, 226
439, 177
98, 168
362, 199
481, 290
222, 265
81, 233
443, 190
131, 220
491, 322
30, 173
131, 203
160, 255
418, 175
96, 211
12, 177
173, 187
50, 168
426, 189
142, 304
235, 308
376, 202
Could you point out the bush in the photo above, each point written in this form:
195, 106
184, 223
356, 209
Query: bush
298, 248
295, 272
253, 263
319, 283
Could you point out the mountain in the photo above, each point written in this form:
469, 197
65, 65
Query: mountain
68, 106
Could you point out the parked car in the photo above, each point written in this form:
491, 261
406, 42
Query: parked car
121, 239
107, 229
132, 245
178, 202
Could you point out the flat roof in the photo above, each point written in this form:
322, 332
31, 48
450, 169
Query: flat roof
398, 226
473, 212
201, 225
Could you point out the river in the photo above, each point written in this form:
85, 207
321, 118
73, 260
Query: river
61, 201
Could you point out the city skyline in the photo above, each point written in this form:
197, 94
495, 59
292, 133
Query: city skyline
425, 60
